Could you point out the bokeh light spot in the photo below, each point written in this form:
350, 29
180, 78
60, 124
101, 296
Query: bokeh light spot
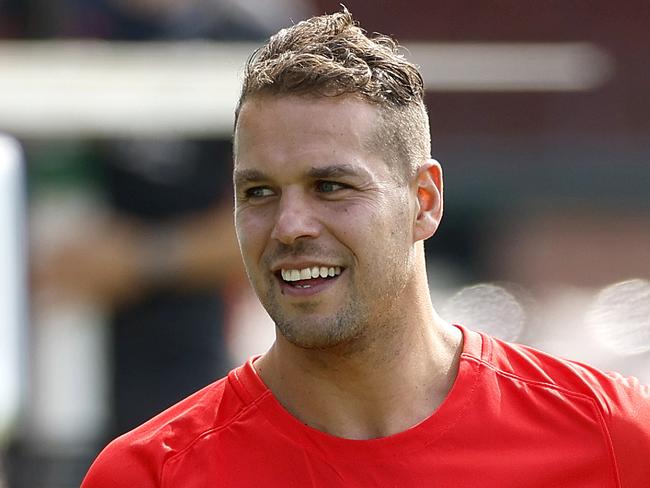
619, 317
487, 308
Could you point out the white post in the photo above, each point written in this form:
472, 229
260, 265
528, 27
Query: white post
13, 301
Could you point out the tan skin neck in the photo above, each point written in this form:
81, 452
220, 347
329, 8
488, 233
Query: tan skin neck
384, 386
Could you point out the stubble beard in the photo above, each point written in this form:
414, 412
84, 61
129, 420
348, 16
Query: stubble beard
350, 328
306, 328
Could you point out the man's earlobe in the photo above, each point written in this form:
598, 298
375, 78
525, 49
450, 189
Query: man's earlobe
429, 198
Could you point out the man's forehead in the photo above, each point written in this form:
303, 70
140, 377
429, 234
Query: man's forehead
276, 122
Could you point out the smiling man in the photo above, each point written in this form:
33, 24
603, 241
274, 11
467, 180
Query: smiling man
365, 385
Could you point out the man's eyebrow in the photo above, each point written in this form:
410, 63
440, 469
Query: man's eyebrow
241, 176
336, 171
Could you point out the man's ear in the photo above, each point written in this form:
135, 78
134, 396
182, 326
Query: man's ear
428, 181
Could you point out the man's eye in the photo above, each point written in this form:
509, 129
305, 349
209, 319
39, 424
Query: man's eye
328, 186
258, 192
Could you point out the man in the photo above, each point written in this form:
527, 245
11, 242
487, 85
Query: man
365, 385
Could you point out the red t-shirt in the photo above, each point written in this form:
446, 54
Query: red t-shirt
515, 417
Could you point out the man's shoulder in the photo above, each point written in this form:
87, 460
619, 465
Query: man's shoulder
139, 455
206, 409
536, 367
619, 404
622, 404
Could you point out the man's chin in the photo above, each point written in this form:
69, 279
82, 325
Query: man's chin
318, 332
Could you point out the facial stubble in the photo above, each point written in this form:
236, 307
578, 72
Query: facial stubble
363, 313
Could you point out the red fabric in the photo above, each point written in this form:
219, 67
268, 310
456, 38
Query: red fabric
514, 417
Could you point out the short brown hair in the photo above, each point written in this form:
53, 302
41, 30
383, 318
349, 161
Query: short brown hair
330, 56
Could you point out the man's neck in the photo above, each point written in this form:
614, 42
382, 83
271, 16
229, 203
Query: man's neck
381, 389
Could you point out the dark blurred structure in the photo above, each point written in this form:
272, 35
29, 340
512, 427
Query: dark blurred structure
169, 343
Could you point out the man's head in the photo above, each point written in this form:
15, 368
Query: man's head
334, 191
330, 56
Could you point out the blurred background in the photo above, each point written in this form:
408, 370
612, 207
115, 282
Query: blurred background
120, 288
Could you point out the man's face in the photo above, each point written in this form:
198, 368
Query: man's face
324, 226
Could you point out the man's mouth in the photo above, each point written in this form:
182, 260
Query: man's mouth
308, 277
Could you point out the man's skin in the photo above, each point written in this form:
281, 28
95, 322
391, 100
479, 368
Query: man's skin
362, 354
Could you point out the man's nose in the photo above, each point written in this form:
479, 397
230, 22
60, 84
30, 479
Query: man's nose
295, 219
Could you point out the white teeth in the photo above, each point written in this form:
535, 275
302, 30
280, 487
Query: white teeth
309, 273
